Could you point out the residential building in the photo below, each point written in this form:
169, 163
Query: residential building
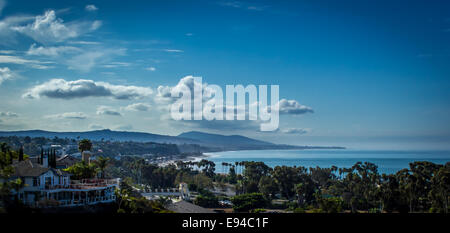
50, 186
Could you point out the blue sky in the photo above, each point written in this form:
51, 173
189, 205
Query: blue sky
376, 73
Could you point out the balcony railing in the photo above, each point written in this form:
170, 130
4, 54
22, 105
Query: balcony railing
85, 184
72, 202
96, 181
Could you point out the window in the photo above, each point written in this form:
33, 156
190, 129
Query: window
48, 180
36, 181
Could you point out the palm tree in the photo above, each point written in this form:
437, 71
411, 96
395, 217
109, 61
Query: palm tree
84, 145
102, 163
223, 167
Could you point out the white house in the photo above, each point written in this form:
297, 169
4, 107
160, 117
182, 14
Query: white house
46, 186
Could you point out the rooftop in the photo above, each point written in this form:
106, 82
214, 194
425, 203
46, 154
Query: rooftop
28, 168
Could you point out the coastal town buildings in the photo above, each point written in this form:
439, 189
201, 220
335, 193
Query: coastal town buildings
46, 184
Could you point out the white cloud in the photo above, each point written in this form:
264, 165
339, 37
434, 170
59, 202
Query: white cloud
173, 50
22, 61
85, 61
41, 67
62, 89
48, 28
164, 99
6, 74
96, 25
138, 107
293, 107
150, 68
15, 60
295, 131
81, 59
105, 110
164, 96
7, 51
9, 114
84, 42
68, 115
7, 34
50, 51
91, 8
116, 64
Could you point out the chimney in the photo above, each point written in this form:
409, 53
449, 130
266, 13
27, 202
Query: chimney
45, 159
85, 156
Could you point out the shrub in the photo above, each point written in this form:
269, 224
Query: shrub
206, 201
255, 211
299, 210
331, 204
248, 201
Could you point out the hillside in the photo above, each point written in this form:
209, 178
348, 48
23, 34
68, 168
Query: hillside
236, 142
218, 140
105, 134
192, 141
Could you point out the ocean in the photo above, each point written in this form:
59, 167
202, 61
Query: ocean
387, 161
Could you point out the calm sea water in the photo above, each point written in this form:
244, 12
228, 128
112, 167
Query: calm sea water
387, 161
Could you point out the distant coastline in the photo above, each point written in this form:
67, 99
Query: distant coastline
188, 142
387, 161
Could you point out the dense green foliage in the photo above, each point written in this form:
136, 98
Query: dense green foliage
130, 202
249, 201
32, 146
206, 199
85, 145
82, 170
196, 175
9, 202
423, 187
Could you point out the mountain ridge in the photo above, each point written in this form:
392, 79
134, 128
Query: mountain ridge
216, 142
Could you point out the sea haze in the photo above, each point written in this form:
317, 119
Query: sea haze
387, 161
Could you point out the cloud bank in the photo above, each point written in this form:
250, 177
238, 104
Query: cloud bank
91, 8
62, 89
8, 114
143, 107
48, 28
295, 131
105, 110
293, 107
68, 115
6, 74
